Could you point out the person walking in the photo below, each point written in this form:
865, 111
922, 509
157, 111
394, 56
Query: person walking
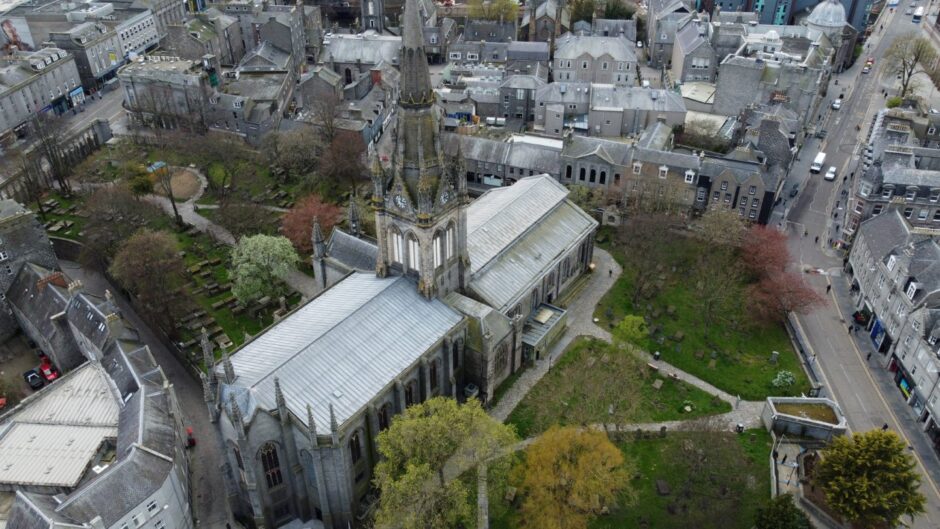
828, 288
610, 272
868, 356
884, 428
817, 239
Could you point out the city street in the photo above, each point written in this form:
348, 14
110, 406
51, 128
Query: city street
207, 488
861, 386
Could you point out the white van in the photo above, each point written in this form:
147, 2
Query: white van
818, 163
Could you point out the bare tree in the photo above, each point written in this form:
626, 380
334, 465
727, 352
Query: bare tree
29, 168
165, 181
908, 56
50, 145
326, 113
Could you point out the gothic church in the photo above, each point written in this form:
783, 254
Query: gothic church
452, 298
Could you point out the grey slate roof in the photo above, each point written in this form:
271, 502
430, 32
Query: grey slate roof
352, 252
614, 27
574, 46
689, 38
343, 347
884, 232
514, 233
525, 82
909, 176
613, 152
369, 49
566, 93
610, 97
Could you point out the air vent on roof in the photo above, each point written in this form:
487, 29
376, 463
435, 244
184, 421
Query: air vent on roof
338, 394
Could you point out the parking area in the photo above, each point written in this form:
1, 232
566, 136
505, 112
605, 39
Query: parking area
16, 357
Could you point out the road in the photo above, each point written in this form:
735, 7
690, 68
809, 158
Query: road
861, 386
208, 491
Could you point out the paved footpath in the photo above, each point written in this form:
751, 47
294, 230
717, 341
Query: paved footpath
581, 323
297, 280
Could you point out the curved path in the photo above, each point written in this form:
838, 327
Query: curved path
581, 323
297, 280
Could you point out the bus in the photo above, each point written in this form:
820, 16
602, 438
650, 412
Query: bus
918, 15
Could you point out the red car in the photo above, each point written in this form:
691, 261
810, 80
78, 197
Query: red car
49, 371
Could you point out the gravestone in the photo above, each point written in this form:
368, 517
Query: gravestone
774, 356
658, 383
714, 354
662, 488
662, 431
699, 355
712, 363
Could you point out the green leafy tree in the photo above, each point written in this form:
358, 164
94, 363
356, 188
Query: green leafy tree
632, 329
570, 475
260, 263
781, 513
869, 479
415, 450
583, 10
506, 10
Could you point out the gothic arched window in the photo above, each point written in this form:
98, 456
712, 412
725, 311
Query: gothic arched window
432, 374
535, 298
348, 76
438, 247
456, 356
395, 246
385, 417
450, 247
414, 253
355, 447
271, 465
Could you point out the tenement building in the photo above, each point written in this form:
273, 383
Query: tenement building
450, 299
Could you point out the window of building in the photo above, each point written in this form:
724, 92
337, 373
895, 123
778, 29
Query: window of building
454, 56
743, 201
568, 172
473, 56
581, 173
414, 253
152, 506
438, 247
908, 212
4, 256
864, 189
752, 214
636, 167
936, 215
159, 524
911, 290
502, 358
911, 193
355, 447
934, 195
409, 394
384, 417
663, 171
716, 196
450, 238
724, 186
432, 374
877, 209
892, 260
271, 465
238, 458
397, 249
593, 176
616, 179
238, 104
584, 65
138, 520
604, 65
931, 131
603, 177
689, 176
455, 357
922, 214
887, 192
700, 195
752, 190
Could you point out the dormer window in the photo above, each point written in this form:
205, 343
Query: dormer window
911, 193
238, 104
891, 262
663, 170
887, 192
689, 176
637, 166
934, 195
911, 290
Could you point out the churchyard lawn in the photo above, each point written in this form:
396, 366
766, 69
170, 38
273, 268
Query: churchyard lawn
734, 355
596, 382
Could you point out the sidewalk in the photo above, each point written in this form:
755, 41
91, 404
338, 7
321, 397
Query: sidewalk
911, 428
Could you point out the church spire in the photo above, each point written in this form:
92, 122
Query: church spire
415, 83
237, 421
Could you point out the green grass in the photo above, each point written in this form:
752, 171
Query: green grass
51, 218
726, 475
593, 375
742, 366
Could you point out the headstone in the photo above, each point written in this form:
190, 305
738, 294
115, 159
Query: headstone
662, 431
658, 383
662, 488
774, 355
610, 409
699, 355
714, 354
712, 363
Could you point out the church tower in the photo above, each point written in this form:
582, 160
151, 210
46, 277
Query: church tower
420, 201
373, 15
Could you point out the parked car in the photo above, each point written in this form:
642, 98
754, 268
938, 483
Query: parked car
48, 371
33, 379
830, 174
836, 104
821, 134
866, 69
